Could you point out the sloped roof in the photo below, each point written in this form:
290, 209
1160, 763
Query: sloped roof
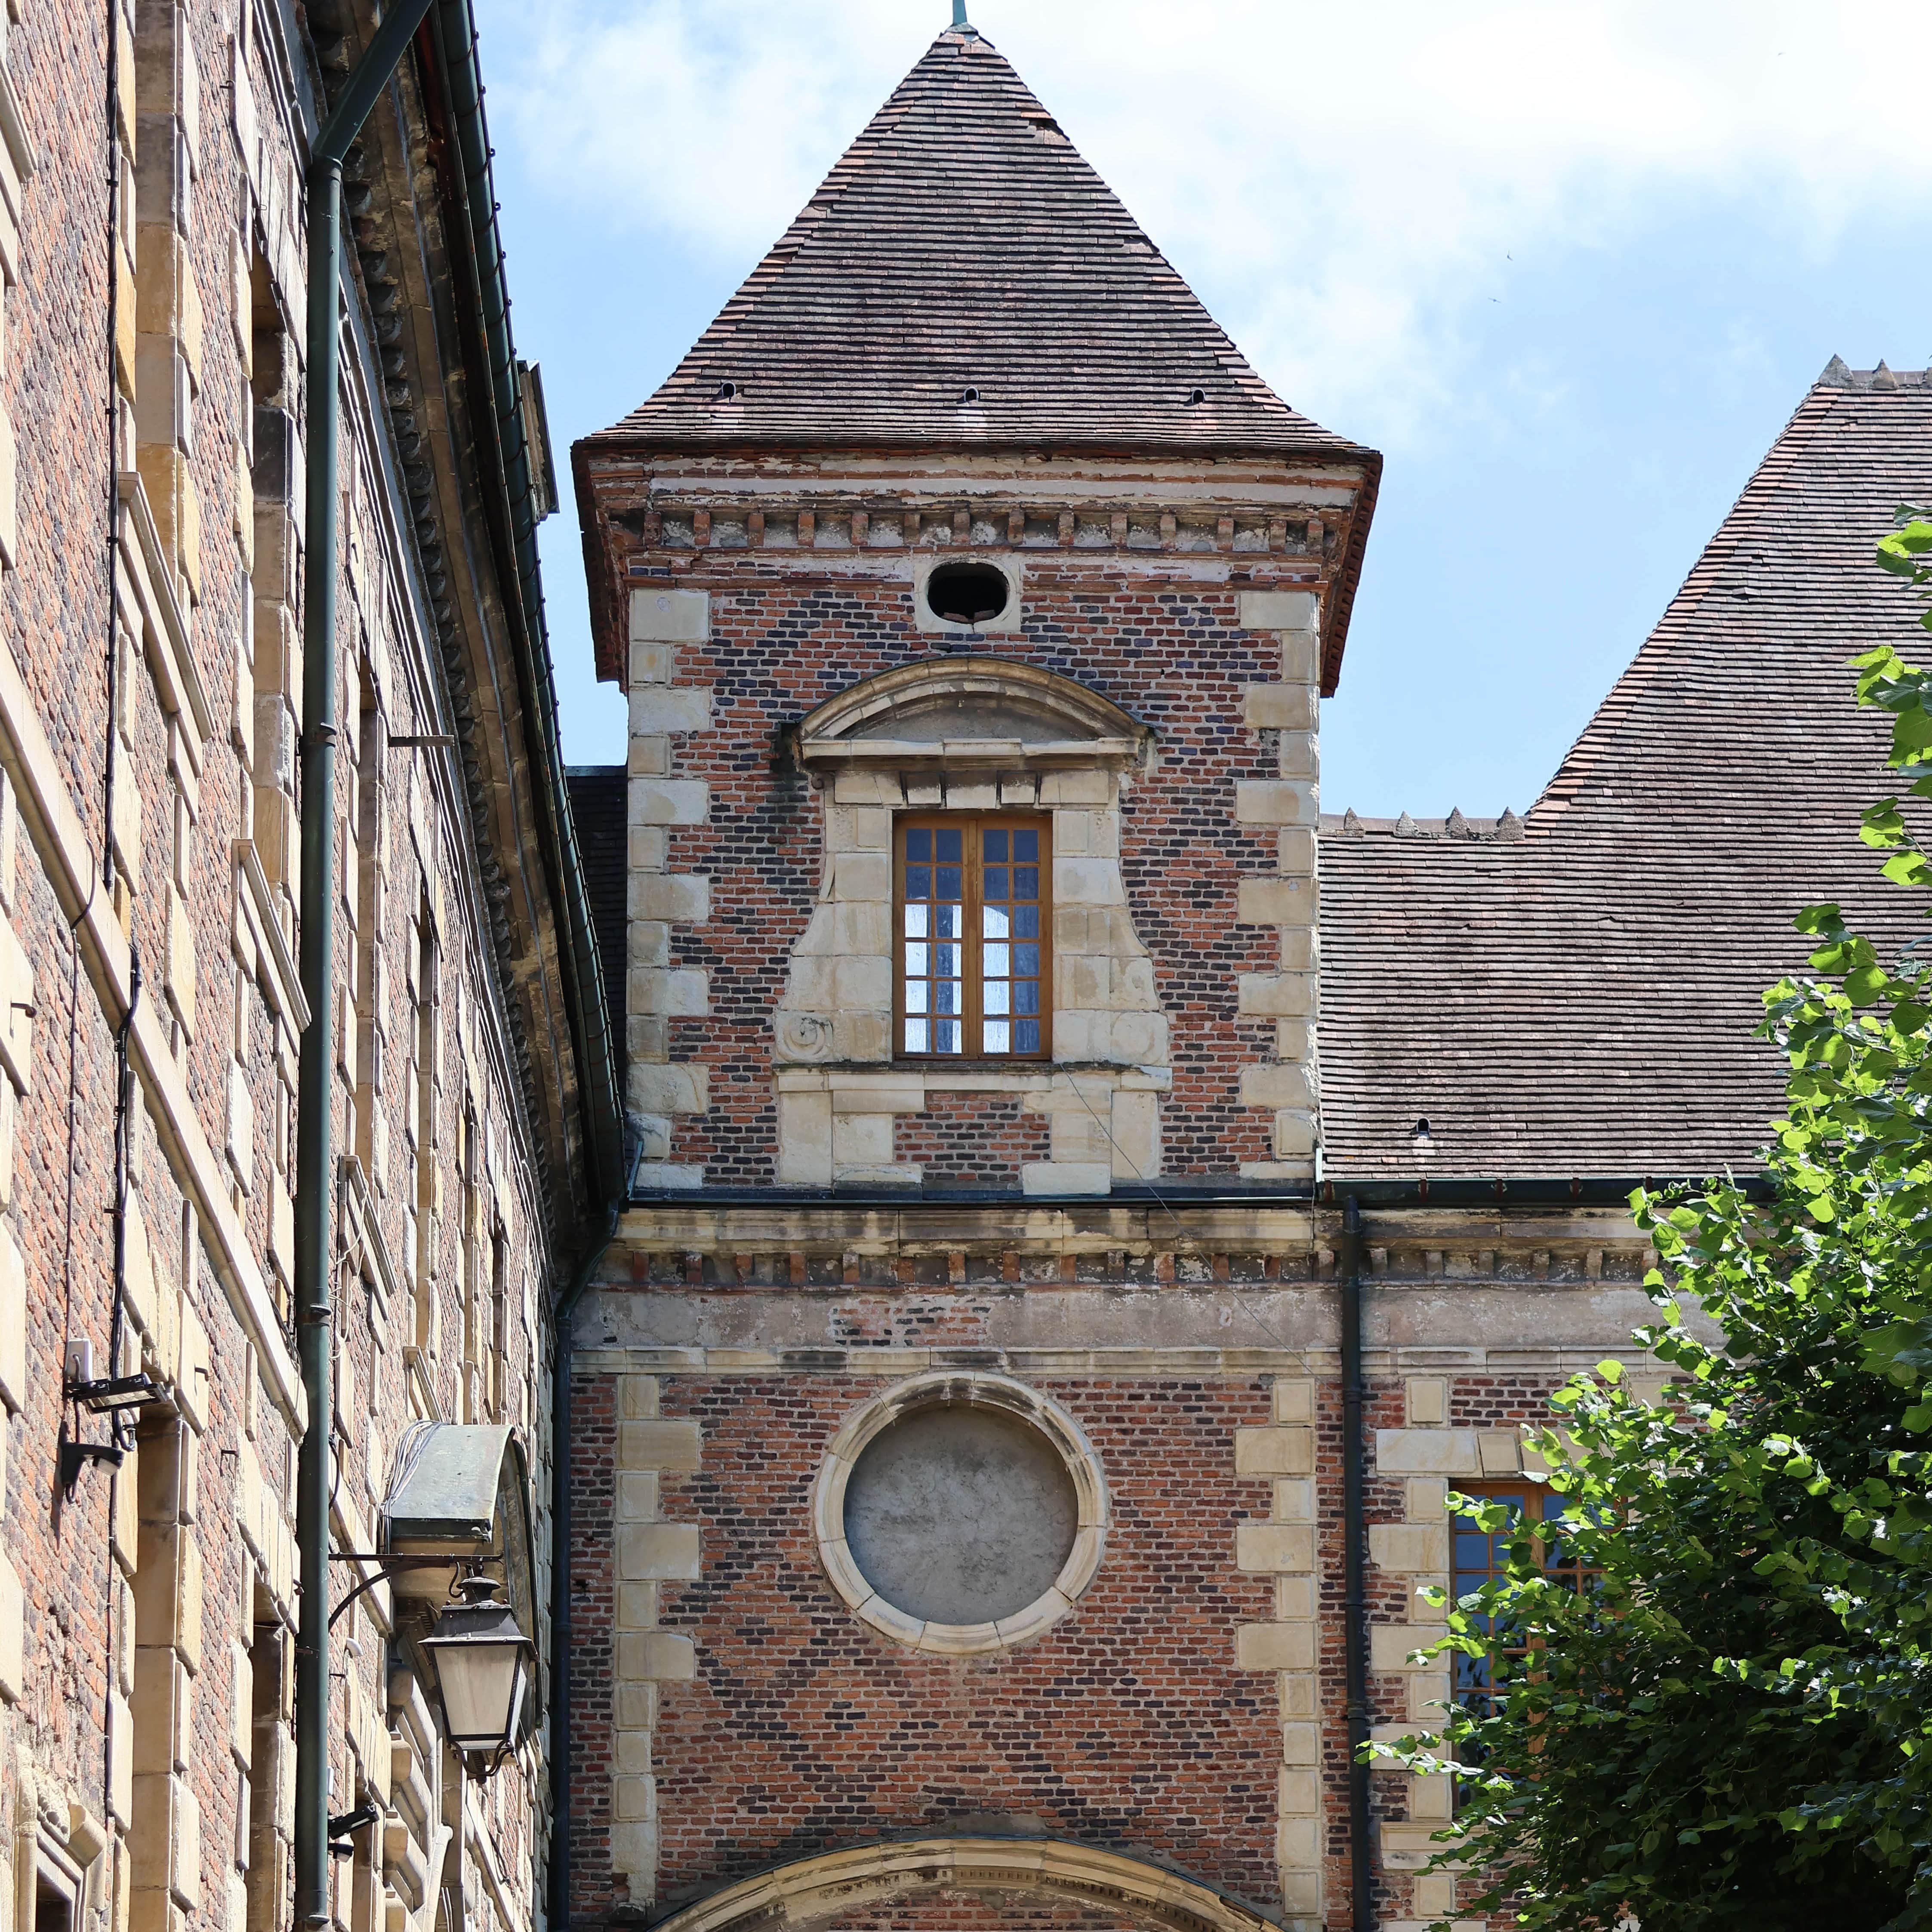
963, 243
1573, 993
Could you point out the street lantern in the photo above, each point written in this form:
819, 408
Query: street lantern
482, 1663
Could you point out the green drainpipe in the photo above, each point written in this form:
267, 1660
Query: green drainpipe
314, 1316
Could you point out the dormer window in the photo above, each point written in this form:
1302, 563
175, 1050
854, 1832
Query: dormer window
973, 916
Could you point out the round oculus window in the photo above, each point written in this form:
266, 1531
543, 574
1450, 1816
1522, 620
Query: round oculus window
960, 1513
966, 594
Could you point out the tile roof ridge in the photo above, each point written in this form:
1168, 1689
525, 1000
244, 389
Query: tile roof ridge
1599, 737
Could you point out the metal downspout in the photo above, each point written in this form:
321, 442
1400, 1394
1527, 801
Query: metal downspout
560, 1625
314, 1263
1354, 1533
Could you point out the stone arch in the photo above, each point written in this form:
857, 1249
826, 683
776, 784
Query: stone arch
815, 1891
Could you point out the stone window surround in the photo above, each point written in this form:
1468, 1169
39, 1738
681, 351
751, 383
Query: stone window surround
1064, 751
941, 1388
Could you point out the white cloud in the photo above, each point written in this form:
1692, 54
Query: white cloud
1347, 181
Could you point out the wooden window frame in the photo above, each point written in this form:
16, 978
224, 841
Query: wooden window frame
1534, 1497
971, 824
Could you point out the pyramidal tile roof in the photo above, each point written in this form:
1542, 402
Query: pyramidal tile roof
962, 245
1574, 992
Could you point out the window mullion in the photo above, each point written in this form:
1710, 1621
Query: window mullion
970, 942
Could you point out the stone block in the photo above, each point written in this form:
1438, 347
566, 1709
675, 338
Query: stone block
669, 1443
633, 1853
1276, 802
1076, 787
1276, 1087
1055, 1177
1279, 1449
670, 616
635, 1797
678, 993
1270, 995
862, 876
652, 663
647, 848
805, 1140
639, 1399
1390, 1645
1135, 1125
863, 984
1280, 707
1272, 901
1426, 1452
1274, 1647
1301, 1744
663, 1088
674, 898
1300, 1793
1295, 1134
1280, 610
1300, 657
663, 709
875, 1093
1294, 1400
637, 1495
634, 1753
669, 801
1086, 882
662, 1656
1296, 852
1410, 1549
1294, 1499
658, 1553
12, 1323
1500, 1451
1426, 1399
860, 1140
1137, 1040
13, 1633
1269, 1547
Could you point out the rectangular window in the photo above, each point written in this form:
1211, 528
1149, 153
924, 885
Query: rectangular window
1479, 1558
974, 914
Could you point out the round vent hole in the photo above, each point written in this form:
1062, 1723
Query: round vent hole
969, 396
966, 594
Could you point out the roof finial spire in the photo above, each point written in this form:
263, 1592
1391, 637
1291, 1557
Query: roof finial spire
961, 25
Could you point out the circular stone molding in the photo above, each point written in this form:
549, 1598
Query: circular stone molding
985, 1400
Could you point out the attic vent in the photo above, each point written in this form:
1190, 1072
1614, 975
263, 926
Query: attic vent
728, 392
966, 594
1196, 396
1044, 125
969, 397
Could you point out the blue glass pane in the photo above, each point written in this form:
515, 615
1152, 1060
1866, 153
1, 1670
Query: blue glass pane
1026, 996
916, 1031
919, 882
996, 882
994, 922
946, 1035
915, 916
946, 961
995, 846
1026, 922
918, 845
945, 996
993, 964
946, 921
1026, 882
948, 845
996, 1041
915, 993
994, 993
949, 882
1026, 844
916, 958
1026, 961
1026, 1035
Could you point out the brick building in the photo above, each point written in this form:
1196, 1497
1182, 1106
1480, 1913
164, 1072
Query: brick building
160, 403
983, 1515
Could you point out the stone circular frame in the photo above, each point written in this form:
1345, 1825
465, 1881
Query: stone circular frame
946, 1388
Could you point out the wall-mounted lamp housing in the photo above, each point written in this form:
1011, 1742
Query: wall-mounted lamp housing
482, 1662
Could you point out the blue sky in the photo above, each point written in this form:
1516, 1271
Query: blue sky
1570, 266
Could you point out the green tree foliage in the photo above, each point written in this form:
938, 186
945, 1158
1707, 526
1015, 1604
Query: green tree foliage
1734, 1727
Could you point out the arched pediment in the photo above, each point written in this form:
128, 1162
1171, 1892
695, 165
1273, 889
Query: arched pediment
959, 711
815, 1890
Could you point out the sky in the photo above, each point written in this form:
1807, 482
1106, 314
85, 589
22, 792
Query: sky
1570, 266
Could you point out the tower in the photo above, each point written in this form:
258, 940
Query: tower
945, 1436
